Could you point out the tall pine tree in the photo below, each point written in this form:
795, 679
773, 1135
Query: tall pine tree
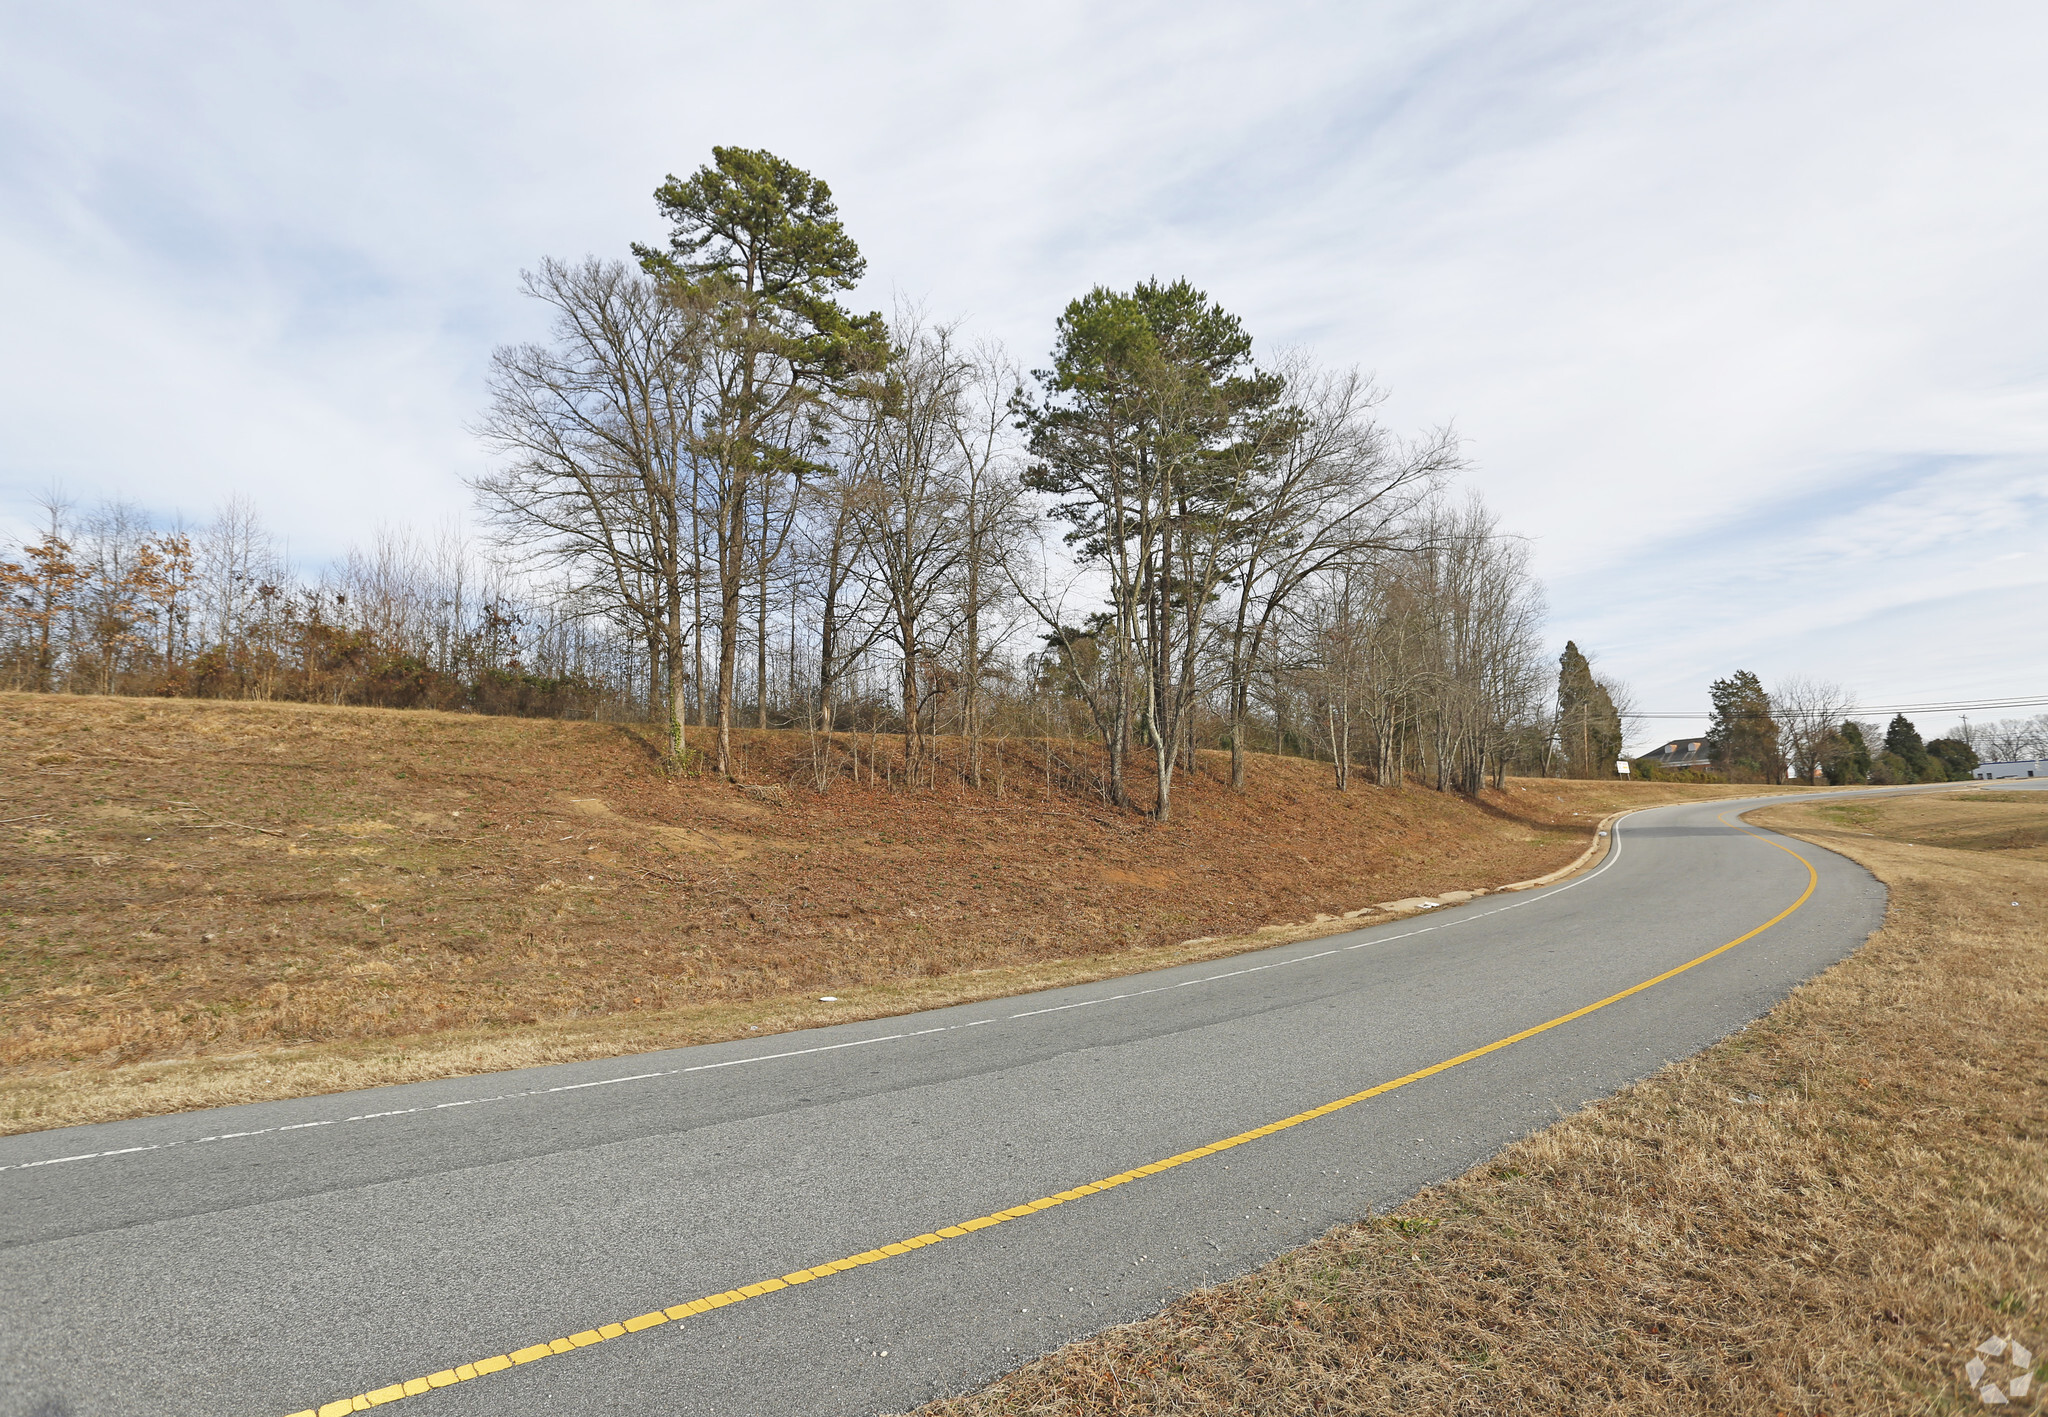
1846, 757
1743, 735
1588, 725
1153, 432
757, 254
1902, 741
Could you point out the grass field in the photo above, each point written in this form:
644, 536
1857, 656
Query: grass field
221, 902
1822, 1214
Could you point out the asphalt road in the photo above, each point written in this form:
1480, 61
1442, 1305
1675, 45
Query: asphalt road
273, 1258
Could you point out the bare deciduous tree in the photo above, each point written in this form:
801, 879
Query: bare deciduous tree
1338, 489
597, 431
1808, 713
909, 506
992, 529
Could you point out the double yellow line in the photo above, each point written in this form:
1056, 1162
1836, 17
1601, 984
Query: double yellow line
448, 1377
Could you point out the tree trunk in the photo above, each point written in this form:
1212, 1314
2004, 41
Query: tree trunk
676, 679
1120, 739
971, 685
911, 725
1165, 737
653, 674
728, 649
1165, 752
697, 631
828, 650
1340, 745
761, 661
1239, 692
761, 624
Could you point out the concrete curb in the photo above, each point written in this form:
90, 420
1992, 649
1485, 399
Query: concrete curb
1602, 838
1383, 911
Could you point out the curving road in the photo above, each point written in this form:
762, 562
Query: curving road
276, 1258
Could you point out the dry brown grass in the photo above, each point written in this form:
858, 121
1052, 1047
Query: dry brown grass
2014, 824
1819, 1215
220, 902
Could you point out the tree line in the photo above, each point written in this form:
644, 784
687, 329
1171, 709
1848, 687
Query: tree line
1804, 731
2010, 740
722, 458
105, 601
721, 498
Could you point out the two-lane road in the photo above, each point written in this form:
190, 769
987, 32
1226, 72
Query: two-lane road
275, 1258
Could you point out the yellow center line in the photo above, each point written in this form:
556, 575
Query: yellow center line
447, 1377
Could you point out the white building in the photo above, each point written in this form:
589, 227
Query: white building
1985, 772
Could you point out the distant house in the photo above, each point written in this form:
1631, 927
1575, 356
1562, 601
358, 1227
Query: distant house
1985, 772
1680, 753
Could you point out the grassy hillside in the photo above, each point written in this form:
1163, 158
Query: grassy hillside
192, 881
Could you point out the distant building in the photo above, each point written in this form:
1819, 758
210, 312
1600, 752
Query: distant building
1985, 772
1680, 753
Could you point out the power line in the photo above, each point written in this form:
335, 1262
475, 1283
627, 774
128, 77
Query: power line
1981, 705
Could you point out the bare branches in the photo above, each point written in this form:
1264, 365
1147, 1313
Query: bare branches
1809, 714
598, 432
907, 497
1340, 492
713, 489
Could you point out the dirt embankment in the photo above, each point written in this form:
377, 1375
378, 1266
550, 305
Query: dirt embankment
1824, 1214
215, 902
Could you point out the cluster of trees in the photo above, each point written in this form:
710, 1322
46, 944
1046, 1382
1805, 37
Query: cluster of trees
2010, 740
722, 498
716, 456
1803, 731
1855, 753
106, 602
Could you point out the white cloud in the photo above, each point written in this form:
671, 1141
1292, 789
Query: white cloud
1740, 306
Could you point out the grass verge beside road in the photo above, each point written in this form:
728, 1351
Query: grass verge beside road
1821, 1214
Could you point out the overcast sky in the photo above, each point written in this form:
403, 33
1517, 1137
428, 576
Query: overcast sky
1741, 309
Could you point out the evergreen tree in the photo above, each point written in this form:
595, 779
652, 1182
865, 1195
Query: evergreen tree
1954, 756
757, 258
1902, 740
1155, 432
1847, 759
1588, 725
1743, 735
